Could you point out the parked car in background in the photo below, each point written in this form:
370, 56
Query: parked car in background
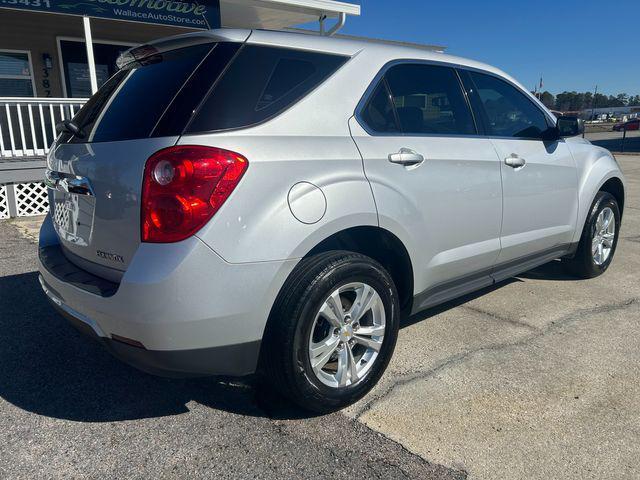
234, 202
633, 124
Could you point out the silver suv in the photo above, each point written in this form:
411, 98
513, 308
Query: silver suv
237, 202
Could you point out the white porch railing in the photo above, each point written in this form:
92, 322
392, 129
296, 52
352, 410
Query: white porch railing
28, 125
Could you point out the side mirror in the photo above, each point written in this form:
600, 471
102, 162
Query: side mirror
570, 126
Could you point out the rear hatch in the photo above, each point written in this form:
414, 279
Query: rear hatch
95, 175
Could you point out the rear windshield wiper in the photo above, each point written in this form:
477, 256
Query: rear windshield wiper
67, 126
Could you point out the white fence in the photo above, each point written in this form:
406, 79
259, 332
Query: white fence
23, 199
27, 130
28, 125
4, 202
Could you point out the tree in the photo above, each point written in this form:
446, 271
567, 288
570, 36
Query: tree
575, 101
588, 100
548, 99
570, 101
601, 101
623, 98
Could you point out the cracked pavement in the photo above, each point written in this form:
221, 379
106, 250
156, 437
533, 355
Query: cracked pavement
70, 410
536, 377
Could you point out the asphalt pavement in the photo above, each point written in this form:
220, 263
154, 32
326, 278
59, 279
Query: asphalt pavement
537, 377
69, 409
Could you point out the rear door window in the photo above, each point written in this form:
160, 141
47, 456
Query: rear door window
429, 100
130, 104
261, 83
379, 113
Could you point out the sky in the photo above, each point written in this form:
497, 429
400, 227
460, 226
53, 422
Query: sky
574, 45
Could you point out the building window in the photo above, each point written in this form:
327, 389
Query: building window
75, 68
16, 74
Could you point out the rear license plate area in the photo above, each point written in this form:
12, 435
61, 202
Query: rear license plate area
73, 217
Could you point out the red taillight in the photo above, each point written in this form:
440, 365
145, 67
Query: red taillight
183, 187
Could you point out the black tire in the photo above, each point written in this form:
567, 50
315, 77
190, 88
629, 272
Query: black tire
285, 362
583, 264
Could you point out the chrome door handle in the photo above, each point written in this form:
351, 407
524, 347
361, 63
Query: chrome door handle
68, 183
406, 157
515, 161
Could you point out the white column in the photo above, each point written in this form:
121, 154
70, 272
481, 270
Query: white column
92, 64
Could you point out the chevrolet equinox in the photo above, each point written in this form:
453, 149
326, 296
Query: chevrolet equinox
235, 202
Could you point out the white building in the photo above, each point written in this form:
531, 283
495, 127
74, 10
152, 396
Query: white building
608, 112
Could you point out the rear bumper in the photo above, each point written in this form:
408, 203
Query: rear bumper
232, 360
190, 312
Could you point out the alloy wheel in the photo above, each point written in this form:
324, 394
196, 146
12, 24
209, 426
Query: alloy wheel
604, 237
347, 335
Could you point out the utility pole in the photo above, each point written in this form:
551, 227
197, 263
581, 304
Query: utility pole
541, 86
594, 103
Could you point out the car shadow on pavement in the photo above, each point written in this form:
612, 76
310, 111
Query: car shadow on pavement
49, 368
554, 270
433, 311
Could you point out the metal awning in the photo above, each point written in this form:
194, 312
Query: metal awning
279, 14
197, 14
200, 14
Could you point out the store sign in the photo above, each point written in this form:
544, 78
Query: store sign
202, 14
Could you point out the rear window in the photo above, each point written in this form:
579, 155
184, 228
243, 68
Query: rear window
131, 103
260, 84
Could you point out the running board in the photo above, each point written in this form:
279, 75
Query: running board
456, 288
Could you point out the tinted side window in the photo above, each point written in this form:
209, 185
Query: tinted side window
429, 99
379, 113
131, 102
194, 90
261, 83
509, 113
287, 74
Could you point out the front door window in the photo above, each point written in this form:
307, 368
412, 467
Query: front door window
509, 113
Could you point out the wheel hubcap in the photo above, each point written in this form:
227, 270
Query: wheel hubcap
604, 236
347, 335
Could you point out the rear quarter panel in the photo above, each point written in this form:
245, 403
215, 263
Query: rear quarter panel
256, 223
309, 142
